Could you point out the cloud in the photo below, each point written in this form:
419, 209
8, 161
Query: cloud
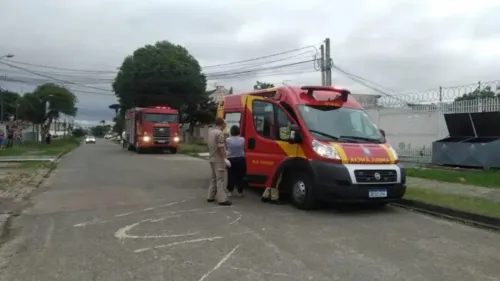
402, 44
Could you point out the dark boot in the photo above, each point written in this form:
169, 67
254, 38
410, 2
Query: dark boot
226, 203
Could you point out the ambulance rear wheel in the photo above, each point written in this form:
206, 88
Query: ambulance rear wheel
301, 194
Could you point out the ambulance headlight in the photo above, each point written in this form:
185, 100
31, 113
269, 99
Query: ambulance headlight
146, 138
394, 153
324, 150
176, 139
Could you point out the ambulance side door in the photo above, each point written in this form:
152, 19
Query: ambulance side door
263, 151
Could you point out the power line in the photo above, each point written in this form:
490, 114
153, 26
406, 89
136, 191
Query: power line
212, 77
55, 79
116, 71
365, 82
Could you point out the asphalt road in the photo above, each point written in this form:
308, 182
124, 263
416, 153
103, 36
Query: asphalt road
109, 214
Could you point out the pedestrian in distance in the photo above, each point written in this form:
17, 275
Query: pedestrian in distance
218, 163
2, 138
236, 155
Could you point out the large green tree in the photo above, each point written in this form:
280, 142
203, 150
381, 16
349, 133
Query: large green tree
8, 104
200, 113
46, 104
159, 74
115, 107
262, 85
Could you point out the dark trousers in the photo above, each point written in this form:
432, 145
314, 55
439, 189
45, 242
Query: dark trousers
236, 174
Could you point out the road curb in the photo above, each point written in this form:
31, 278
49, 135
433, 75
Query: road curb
481, 221
5, 222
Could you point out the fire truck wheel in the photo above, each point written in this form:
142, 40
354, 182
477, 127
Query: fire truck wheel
301, 195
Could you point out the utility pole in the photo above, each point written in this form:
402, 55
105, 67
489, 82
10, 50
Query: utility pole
328, 59
2, 99
322, 65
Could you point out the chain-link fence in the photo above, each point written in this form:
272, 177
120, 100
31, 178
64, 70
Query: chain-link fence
413, 121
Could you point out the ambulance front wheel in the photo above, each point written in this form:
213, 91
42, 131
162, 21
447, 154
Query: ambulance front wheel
173, 150
301, 193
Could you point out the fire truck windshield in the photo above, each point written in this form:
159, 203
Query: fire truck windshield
340, 124
159, 118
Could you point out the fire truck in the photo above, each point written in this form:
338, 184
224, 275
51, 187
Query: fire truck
316, 143
152, 128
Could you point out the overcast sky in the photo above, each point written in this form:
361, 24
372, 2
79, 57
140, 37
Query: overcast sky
401, 44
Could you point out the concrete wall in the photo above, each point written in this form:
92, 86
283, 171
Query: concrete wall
411, 132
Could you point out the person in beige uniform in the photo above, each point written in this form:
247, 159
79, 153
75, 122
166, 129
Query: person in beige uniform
217, 158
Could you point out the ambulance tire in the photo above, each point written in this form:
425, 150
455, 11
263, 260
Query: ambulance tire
173, 150
301, 194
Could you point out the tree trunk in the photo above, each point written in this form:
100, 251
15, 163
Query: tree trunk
45, 127
191, 130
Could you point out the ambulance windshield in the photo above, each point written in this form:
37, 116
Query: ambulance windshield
160, 118
340, 124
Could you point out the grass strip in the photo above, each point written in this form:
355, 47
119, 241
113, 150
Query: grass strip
458, 202
57, 146
479, 178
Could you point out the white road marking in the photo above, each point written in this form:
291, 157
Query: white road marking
92, 222
206, 239
219, 264
101, 221
258, 272
123, 215
238, 218
122, 232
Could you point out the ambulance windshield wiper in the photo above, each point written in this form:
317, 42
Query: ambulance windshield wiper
323, 134
360, 138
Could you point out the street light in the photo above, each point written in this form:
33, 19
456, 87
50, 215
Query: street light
7, 56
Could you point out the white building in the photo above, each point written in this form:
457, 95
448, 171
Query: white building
368, 101
219, 93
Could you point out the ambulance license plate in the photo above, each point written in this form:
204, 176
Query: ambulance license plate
162, 141
379, 193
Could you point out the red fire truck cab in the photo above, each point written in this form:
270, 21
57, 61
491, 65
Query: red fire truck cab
316, 143
152, 128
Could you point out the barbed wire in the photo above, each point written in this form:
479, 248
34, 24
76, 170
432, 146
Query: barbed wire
442, 98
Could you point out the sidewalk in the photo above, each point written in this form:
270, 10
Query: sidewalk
491, 194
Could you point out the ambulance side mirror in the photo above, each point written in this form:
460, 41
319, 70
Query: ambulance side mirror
382, 132
295, 134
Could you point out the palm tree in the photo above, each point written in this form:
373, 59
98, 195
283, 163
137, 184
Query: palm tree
115, 107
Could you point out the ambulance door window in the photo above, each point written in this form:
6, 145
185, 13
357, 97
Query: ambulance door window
283, 124
233, 118
263, 119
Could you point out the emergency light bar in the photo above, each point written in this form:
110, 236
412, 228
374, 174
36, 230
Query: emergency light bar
159, 107
344, 93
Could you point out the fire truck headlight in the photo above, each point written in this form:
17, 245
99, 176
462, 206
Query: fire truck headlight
146, 138
176, 139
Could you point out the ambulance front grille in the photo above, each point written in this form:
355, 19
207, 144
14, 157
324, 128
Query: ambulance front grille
375, 176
